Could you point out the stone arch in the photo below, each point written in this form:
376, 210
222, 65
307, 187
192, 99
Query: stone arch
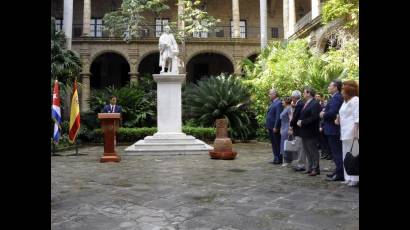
324, 33
109, 68
207, 63
146, 54
226, 55
101, 52
252, 56
149, 63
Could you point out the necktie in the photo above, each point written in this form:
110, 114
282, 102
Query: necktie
113, 108
304, 107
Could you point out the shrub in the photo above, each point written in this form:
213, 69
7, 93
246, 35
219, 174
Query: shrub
291, 66
138, 103
219, 97
135, 134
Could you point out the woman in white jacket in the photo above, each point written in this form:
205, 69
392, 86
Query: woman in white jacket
348, 119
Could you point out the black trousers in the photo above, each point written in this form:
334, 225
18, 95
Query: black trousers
275, 140
337, 152
312, 152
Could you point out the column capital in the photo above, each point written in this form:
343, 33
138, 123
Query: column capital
85, 74
133, 73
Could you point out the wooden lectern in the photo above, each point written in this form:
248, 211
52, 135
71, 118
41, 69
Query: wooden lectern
109, 124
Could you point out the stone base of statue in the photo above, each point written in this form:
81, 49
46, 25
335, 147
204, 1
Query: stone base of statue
169, 140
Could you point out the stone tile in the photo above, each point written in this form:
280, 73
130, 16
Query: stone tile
195, 192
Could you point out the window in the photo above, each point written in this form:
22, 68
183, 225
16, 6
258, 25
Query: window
242, 29
275, 32
96, 27
200, 34
159, 26
59, 24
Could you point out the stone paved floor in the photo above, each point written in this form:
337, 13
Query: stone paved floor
195, 192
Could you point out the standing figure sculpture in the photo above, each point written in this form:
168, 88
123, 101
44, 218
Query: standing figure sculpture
168, 52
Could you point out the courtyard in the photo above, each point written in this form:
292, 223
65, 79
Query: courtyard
195, 192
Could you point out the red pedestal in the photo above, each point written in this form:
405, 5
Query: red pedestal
109, 124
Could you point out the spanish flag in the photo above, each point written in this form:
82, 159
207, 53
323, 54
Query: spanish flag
74, 115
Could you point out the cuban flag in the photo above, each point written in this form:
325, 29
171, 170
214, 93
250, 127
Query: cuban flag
56, 113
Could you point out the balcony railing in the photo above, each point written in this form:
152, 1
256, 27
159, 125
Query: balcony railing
303, 21
152, 31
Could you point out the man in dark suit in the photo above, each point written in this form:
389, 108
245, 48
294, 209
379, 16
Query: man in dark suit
309, 130
331, 130
295, 130
323, 143
273, 125
112, 107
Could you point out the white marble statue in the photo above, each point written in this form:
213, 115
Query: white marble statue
168, 52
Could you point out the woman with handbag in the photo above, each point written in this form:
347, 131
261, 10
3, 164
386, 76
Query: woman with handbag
348, 119
284, 129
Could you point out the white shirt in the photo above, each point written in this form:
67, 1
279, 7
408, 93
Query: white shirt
349, 115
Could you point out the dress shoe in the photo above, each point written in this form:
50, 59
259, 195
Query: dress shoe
299, 169
307, 172
335, 178
276, 162
330, 175
353, 184
314, 173
324, 156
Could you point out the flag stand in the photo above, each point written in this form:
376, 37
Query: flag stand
54, 149
76, 147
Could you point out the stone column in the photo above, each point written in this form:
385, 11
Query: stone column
180, 12
133, 77
236, 19
182, 51
285, 18
292, 18
85, 92
315, 8
263, 24
68, 21
86, 17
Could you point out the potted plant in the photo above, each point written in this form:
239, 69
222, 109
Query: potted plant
220, 101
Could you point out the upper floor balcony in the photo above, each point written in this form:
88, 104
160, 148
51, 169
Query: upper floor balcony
153, 32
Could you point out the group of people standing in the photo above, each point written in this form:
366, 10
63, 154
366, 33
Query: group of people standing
310, 122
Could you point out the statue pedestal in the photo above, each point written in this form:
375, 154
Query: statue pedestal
169, 140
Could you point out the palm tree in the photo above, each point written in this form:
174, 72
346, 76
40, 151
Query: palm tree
65, 64
219, 97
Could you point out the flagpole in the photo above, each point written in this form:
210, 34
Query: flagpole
54, 149
76, 147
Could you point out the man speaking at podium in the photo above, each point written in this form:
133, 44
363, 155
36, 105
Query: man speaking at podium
112, 107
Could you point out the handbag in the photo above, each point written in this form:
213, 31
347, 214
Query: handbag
351, 162
291, 145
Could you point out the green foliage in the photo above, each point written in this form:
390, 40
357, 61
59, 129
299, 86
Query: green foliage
138, 103
65, 64
128, 19
347, 58
195, 20
219, 97
291, 66
135, 134
348, 10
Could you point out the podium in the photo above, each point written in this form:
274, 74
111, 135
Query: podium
109, 124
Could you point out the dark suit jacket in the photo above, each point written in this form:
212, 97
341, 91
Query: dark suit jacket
107, 109
295, 118
310, 120
331, 110
273, 114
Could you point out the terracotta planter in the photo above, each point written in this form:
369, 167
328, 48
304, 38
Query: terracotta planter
222, 144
